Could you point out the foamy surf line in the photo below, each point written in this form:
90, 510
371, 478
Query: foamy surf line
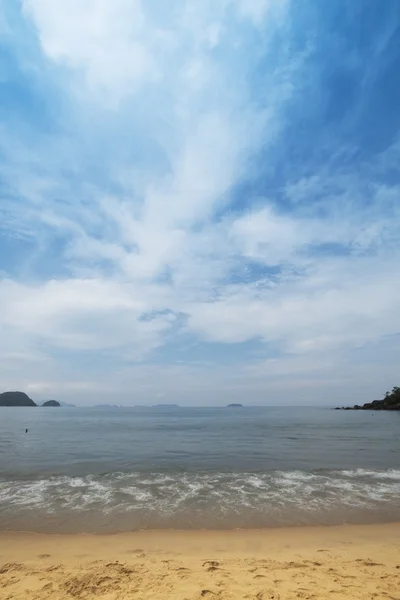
133, 501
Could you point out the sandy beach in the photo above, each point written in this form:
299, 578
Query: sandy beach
275, 564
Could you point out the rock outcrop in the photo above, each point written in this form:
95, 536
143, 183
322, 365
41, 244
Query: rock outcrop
391, 401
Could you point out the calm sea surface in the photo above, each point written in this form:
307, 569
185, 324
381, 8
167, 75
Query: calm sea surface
106, 470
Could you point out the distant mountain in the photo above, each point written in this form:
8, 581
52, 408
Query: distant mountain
106, 406
15, 399
51, 403
235, 406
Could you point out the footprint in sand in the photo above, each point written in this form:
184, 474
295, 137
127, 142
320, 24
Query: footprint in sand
211, 565
47, 587
54, 568
136, 551
267, 595
11, 567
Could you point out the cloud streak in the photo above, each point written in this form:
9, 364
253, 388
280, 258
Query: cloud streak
172, 218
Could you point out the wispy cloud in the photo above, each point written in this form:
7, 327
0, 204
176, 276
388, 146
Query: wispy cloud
192, 200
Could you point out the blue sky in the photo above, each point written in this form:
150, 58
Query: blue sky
199, 200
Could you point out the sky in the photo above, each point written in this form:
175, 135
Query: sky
200, 200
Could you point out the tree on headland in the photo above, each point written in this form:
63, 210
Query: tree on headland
391, 401
393, 397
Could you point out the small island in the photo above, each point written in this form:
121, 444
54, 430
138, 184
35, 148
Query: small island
235, 406
15, 399
391, 401
51, 403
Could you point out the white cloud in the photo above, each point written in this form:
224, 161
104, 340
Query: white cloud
259, 10
103, 40
336, 303
78, 314
164, 259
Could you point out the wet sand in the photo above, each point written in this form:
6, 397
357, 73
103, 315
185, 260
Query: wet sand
347, 562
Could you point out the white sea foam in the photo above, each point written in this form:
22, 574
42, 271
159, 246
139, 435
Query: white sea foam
387, 474
207, 499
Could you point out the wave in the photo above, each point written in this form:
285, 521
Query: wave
126, 501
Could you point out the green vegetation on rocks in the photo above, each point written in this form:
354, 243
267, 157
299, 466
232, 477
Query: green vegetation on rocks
391, 401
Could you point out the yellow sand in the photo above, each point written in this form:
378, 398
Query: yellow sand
326, 562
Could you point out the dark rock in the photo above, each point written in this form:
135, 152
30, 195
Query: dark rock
15, 399
51, 403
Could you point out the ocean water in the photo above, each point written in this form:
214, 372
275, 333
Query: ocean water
108, 470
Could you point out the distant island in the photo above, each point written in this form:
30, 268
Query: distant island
51, 403
391, 401
165, 406
22, 399
16, 399
235, 406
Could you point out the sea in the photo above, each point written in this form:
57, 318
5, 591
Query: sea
123, 469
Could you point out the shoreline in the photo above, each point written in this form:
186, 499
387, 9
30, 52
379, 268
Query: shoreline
342, 561
212, 531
